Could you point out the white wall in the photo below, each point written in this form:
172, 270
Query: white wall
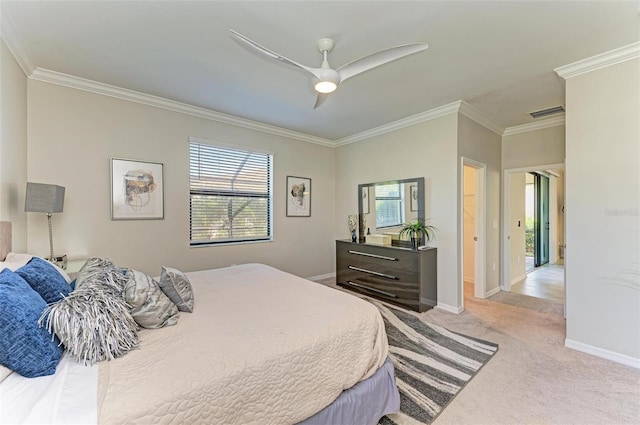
13, 145
602, 211
428, 150
72, 135
483, 145
517, 210
539, 147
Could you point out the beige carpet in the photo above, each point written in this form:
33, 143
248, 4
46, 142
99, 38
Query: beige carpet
534, 379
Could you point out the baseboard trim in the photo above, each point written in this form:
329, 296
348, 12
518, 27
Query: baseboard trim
605, 354
492, 292
430, 303
321, 277
518, 279
450, 308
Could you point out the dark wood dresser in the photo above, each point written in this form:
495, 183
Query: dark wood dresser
401, 276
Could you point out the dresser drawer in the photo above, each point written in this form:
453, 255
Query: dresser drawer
383, 272
396, 275
396, 258
406, 294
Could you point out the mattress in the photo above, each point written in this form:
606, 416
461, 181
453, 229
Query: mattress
262, 347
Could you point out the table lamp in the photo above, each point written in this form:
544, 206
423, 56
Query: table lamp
49, 199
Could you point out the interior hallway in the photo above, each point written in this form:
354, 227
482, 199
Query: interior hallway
546, 282
534, 378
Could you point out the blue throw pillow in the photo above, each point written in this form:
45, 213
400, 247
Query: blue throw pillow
45, 280
25, 347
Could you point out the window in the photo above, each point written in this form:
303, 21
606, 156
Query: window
230, 195
389, 205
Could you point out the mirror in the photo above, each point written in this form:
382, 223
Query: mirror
383, 207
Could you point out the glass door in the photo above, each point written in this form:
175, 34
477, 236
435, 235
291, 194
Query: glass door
541, 220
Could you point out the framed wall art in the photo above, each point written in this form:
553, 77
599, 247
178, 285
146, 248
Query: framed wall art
365, 200
137, 190
413, 194
298, 196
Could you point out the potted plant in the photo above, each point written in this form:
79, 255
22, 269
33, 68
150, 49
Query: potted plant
419, 233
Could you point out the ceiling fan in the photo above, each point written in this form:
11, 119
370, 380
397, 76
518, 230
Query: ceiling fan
327, 79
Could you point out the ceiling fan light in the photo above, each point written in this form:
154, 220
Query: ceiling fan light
325, 86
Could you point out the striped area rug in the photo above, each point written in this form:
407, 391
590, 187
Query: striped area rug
432, 364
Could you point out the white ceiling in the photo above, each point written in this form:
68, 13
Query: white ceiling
497, 56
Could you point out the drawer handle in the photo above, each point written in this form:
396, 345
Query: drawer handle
358, 269
358, 285
366, 254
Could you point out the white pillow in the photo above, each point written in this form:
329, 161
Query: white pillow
15, 260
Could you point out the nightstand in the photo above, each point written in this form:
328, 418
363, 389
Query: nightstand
74, 266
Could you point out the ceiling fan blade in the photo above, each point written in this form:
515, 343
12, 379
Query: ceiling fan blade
320, 98
374, 60
269, 53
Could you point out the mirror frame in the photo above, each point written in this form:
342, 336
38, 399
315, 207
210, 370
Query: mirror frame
421, 210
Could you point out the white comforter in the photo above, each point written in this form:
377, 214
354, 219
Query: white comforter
262, 347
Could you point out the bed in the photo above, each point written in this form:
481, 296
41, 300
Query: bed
261, 346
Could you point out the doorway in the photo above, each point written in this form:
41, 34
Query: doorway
473, 223
537, 222
534, 230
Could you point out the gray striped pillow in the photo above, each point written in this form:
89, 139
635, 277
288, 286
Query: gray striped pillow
148, 305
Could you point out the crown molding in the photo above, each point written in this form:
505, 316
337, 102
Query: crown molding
53, 77
537, 125
482, 119
67, 80
401, 123
10, 36
622, 54
459, 106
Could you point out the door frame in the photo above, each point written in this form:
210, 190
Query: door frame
505, 280
480, 224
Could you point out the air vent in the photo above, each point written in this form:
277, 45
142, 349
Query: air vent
547, 112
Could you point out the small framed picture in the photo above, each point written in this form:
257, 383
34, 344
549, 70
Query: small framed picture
298, 196
365, 200
413, 194
137, 190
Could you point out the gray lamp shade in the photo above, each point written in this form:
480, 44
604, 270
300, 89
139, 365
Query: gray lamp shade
46, 198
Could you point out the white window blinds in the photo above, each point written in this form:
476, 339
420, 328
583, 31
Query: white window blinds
230, 195
389, 205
